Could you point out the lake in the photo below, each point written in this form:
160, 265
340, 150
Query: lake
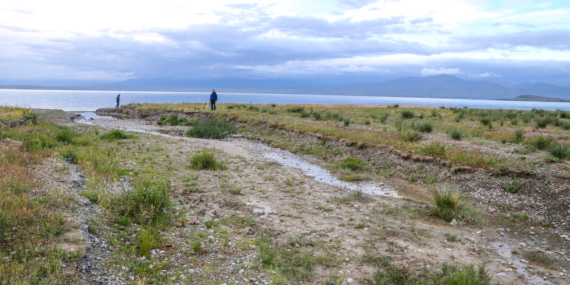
73, 100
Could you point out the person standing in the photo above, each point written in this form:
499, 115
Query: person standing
213, 99
118, 100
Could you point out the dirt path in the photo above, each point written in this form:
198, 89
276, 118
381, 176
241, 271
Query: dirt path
303, 212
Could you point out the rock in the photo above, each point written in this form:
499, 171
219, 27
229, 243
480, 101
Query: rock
349, 280
453, 222
360, 145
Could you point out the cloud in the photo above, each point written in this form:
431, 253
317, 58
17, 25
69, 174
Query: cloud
549, 39
432, 72
421, 20
243, 6
355, 4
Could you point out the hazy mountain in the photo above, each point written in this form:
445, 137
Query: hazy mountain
542, 89
535, 98
440, 86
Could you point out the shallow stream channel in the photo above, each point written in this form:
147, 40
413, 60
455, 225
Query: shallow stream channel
283, 157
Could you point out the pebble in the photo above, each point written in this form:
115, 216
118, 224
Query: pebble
349, 280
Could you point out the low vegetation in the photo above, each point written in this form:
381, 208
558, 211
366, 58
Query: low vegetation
211, 129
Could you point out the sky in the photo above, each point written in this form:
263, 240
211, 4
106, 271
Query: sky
61, 41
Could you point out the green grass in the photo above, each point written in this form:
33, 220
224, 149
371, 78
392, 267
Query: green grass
211, 129
560, 151
451, 237
172, 120
513, 187
449, 205
117, 134
205, 160
448, 275
541, 142
455, 134
147, 204
354, 164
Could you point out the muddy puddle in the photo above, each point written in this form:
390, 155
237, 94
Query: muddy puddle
520, 266
88, 117
322, 175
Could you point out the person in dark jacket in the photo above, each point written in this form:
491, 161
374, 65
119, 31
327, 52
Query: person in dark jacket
213, 99
118, 100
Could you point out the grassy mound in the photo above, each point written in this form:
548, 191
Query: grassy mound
211, 129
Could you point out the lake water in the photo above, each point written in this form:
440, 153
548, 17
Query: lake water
92, 100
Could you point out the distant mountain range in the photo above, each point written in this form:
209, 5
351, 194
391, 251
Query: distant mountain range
440, 86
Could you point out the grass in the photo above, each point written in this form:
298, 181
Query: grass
211, 129
455, 134
353, 164
449, 205
292, 262
448, 274
205, 160
560, 151
117, 134
172, 120
540, 258
148, 204
389, 127
451, 237
513, 187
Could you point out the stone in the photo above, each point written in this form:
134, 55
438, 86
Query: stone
453, 222
349, 280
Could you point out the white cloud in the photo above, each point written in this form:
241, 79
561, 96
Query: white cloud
432, 72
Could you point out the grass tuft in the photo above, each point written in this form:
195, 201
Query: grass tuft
205, 160
211, 129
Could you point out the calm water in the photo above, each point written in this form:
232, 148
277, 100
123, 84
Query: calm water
92, 100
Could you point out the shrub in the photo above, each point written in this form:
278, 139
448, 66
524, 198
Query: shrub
407, 114
541, 143
486, 122
116, 134
264, 110
209, 224
353, 164
519, 135
317, 115
305, 114
69, 156
273, 105
455, 134
410, 136
384, 118
513, 187
561, 151
543, 123
346, 122
514, 122
367, 122
211, 129
205, 160
434, 113
424, 127
295, 109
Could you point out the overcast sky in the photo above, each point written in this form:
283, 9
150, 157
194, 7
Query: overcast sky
509, 40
